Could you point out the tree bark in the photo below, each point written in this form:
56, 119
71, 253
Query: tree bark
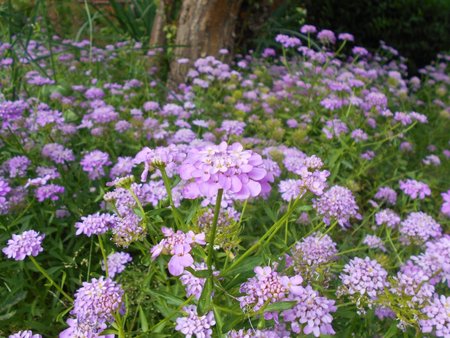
204, 27
158, 36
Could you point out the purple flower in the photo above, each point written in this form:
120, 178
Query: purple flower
95, 224
419, 227
412, 282
195, 325
123, 167
179, 245
445, 208
383, 312
194, 285
208, 169
96, 301
268, 286
291, 189
117, 262
363, 277
4, 187
288, 41
28, 243
337, 203
346, 37
435, 260
57, 153
94, 94
431, 160
17, 166
374, 242
326, 36
334, 128
438, 319
49, 191
170, 157
359, 51
93, 163
79, 329
311, 314
127, 229
359, 135
388, 217
232, 127
415, 189
386, 194
313, 251
25, 334
307, 29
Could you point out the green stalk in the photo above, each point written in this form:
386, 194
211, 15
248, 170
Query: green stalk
102, 249
52, 282
212, 235
176, 214
268, 235
139, 204
388, 234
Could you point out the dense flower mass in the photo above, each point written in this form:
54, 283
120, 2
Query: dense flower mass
312, 252
117, 262
303, 138
415, 189
95, 224
194, 325
438, 317
419, 227
179, 245
28, 243
96, 302
363, 277
93, 163
337, 204
311, 314
268, 286
228, 167
387, 217
25, 334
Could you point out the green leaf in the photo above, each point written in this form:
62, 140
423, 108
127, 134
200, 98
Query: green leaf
171, 299
143, 320
280, 306
204, 303
199, 273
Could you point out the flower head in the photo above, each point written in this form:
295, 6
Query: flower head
415, 189
337, 203
363, 277
311, 314
194, 325
95, 224
237, 171
28, 243
419, 227
179, 245
25, 334
97, 301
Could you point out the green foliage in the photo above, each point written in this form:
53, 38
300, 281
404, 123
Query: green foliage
417, 28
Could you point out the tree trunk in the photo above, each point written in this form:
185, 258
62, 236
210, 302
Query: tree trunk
204, 27
158, 36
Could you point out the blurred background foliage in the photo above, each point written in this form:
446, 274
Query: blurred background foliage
419, 29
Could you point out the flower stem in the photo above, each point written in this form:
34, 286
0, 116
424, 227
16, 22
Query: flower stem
102, 249
212, 235
139, 204
52, 282
176, 214
268, 235
388, 234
